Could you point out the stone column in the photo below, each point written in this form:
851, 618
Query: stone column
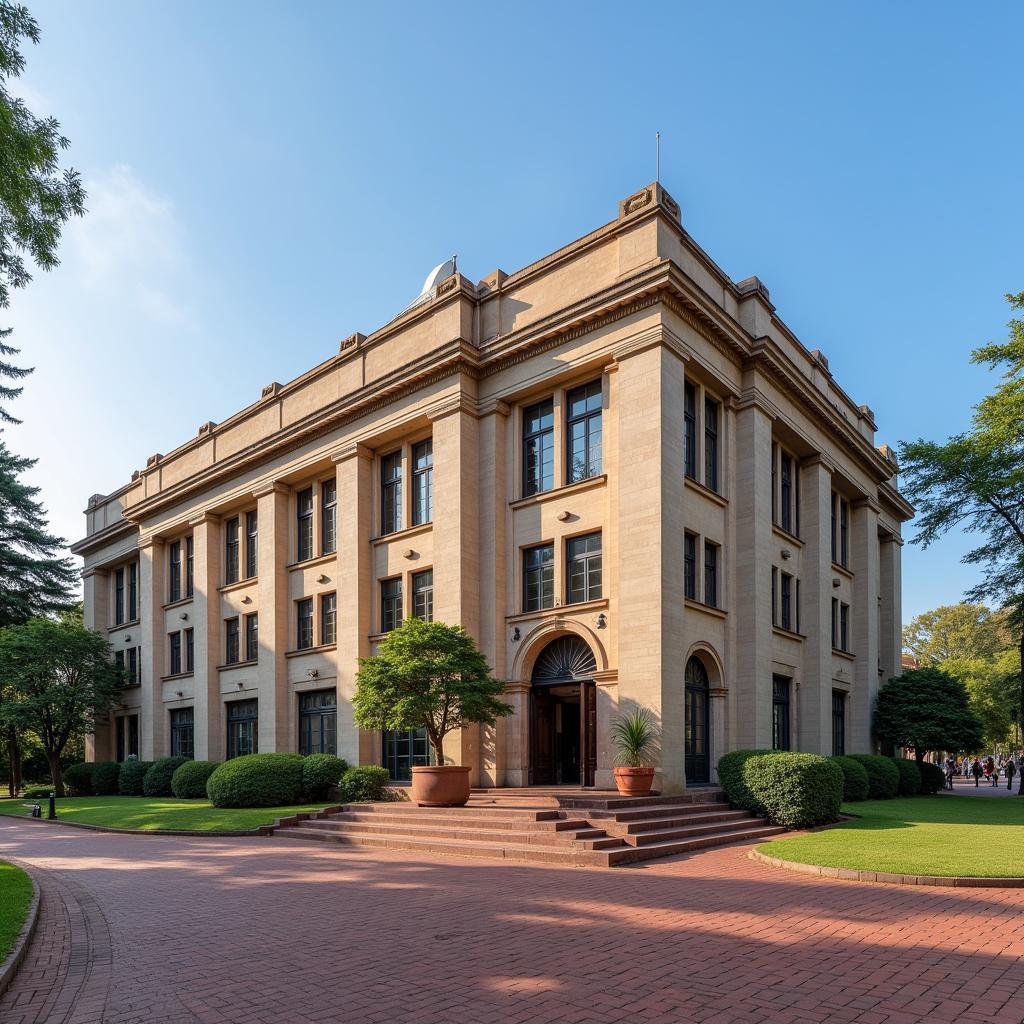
208, 736
96, 595
864, 616
607, 695
153, 657
890, 640
514, 736
718, 713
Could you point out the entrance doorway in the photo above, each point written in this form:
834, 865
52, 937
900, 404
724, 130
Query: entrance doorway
698, 760
563, 715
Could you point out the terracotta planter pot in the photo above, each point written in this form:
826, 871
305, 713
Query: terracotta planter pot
440, 785
634, 781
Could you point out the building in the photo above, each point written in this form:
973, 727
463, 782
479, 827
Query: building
618, 469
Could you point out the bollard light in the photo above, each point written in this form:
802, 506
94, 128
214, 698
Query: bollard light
53, 808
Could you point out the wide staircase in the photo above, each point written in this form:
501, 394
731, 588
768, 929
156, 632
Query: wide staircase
560, 826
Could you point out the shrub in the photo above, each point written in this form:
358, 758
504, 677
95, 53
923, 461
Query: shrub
78, 779
105, 778
157, 781
883, 776
933, 778
730, 775
795, 790
189, 780
910, 776
256, 780
36, 792
364, 784
856, 785
131, 777
319, 773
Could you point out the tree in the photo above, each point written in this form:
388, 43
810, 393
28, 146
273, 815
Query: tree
964, 631
57, 678
927, 709
37, 197
986, 695
427, 675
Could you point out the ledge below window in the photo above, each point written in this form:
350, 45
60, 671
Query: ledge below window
781, 531
408, 531
560, 609
709, 609
237, 664
842, 570
122, 625
179, 602
839, 653
177, 675
238, 585
320, 649
707, 492
789, 633
566, 490
312, 563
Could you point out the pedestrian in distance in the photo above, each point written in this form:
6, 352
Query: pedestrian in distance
1011, 770
976, 771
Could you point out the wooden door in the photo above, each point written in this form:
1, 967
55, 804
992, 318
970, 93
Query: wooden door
542, 738
588, 732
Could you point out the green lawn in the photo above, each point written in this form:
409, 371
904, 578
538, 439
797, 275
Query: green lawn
146, 813
925, 835
15, 896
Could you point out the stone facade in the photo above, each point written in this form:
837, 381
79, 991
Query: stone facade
717, 435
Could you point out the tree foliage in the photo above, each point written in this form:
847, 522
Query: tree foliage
955, 631
427, 675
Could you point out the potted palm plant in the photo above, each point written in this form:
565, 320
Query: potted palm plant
636, 742
432, 676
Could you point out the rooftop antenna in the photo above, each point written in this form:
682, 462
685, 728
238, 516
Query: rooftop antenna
657, 157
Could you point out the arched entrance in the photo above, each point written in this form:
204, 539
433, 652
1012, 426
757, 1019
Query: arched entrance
698, 749
563, 714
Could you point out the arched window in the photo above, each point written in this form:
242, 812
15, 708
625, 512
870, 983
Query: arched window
567, 659
698, 759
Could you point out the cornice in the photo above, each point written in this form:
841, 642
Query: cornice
350, 451
203, 519
101, 537
270, 487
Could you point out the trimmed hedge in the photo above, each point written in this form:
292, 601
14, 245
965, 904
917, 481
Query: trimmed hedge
189, 780
910, 776
106, 778
855, 778
365, 784
78, 779
36, 792
883, 776
257, 780
131, 777
730, 775
933, 778
321, 772
157, 781
795, 790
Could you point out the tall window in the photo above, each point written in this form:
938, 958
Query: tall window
231, 550
304, 524
539, 447
133, 666
190, 561
328, 618
231, 641
786, 601
838, 723
711, 574
190, 651
175, 641
133, 591
391, 493
182, 732
538, 577
304, 624
584, 568
786, 491
252, 637
243, 722
844, 533
119, 665
844, 627
423, 482
328, 517
118, 597
780, 712
690, 429
390, 604
690, 566
174, 564
775, 596
252, 544
711, 415
126, 732
423, 595
835, 622
583, 432
318, 722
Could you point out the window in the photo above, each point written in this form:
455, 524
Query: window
118, 597
423, 482
133, 591
844, 533
690, 429
786, 601
127, 736
390, 604
844, 627
175, 641
304, 524
304, 624
835, 622
786, 492
775, 483
318, 722
252, 637
190, 651
711, 411
391, 493
182, 732
403, 750
328, 618
190, 560
423, 595
780, 712
711, 574
133, 667
174, 563
252, 544
539, 577
775, 590
119, 665
690, 566
231, 550
838, 723
243, 721
328, 517
539, 447
584, 568
231, 641
583, 432
835, 533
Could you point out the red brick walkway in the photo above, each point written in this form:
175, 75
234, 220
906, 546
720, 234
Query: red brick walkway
277, 932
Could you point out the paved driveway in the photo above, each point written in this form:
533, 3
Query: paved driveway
275, 930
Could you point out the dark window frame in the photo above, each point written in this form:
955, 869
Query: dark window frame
690, 566
318, 722
252, 636
712, 418
539, 577
711, 573
423, 595
304, 624
243, 727
539, 444
119, 596
252, 543
190, 566
174, 575
592, 565
838, 723
133, 591
391, 607
231, 550
329, 618
182, 732
232, 641
690, 430
585, 447
304, 525
174, 644
190, 650
423, 482
328, 517
781, 712
391, 492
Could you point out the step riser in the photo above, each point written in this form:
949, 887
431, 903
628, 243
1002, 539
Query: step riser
673, 834
442, 820
513, 813
680, 821
664, 811
554, 839
640, 853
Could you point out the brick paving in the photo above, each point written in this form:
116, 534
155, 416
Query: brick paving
272, 931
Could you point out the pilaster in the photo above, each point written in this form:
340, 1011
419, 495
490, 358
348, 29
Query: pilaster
96, 603
864, 629
153, 657
208, 728
890, 639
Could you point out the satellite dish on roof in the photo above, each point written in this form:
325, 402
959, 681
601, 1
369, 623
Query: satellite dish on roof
434, 278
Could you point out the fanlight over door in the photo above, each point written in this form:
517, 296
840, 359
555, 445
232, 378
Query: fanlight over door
565, 660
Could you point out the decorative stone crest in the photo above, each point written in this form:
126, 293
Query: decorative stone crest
447, 285
637, 202
206, 428
353, 341
270, 390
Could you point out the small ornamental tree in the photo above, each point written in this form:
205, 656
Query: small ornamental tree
927, 709
427, 675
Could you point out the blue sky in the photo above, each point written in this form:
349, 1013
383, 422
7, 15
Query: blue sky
266, 179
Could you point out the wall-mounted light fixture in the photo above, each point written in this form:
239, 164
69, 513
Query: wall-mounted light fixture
179, 693
408, 553
563, 517
323, 579
835, 581
602, 621
241, 685
127, 637
786, 553
247, 599
516, 635
184, 616
313, 673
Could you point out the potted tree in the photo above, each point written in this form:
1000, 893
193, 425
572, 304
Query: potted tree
636, 741
429, 675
